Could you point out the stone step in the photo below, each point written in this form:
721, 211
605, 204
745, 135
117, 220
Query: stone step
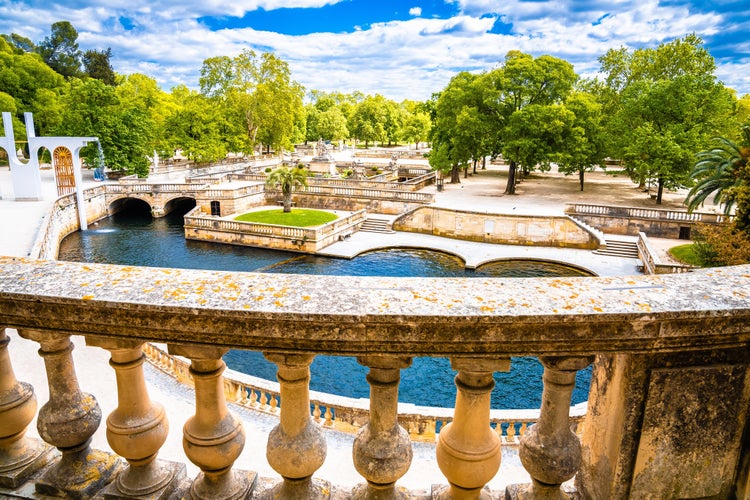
619, 248
375, 225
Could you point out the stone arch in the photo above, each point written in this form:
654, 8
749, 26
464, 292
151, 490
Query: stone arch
124, 202
176, 202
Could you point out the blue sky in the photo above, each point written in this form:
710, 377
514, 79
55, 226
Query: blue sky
401, 49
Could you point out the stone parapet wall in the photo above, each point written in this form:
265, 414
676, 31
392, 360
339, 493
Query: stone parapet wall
494, 228
657, 223
63, 220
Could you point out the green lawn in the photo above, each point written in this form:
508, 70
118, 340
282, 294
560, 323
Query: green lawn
685, 254
298, 217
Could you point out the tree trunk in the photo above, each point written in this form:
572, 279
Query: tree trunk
455, 175
510, 187
484, 163
580, 178
475, 166
660, 191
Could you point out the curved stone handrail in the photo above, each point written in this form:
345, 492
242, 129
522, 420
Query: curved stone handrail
360, 315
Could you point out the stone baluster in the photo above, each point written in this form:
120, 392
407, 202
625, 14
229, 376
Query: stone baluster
137, 428
213, 438
468, 449
20, 456
550, 451
296, 446
68, 421
382, 449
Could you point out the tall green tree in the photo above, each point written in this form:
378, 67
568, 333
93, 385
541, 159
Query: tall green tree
536, 134
60, 49
20, 43
417, 127
258, 95
96, 64
34, 87
195, 126
583, 150
92, 108
664, 104
459, 126
522, 81
368, 119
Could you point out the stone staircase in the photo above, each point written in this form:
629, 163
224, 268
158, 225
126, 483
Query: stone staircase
619, 248
376, 225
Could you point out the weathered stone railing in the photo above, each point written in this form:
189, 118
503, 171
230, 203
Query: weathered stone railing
349, 414
652, 263
148, 187
667, 408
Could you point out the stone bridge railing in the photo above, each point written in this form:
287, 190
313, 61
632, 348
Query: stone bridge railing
667, 414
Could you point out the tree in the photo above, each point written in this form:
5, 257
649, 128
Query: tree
258, 97
287, 179
33, 85
368, 120
60, 49
536, 134
195, 126
724, 171
331, 125
417, 122
92, 108
663, 105
523, 81
584, 147
96, 64
20, 43
461, 124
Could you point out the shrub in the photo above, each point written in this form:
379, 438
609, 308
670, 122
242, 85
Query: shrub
722, 246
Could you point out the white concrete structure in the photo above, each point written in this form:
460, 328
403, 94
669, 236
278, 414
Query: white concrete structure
26, 176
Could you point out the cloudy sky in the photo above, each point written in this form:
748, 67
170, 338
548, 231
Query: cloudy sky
401, 49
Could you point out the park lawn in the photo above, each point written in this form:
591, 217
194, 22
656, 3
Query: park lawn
298, 217
685, 254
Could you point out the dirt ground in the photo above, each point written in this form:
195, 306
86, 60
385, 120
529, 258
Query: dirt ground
552, 190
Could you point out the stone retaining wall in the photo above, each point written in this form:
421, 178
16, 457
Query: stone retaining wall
500, 229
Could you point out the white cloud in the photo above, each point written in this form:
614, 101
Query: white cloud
415, 11
400, 59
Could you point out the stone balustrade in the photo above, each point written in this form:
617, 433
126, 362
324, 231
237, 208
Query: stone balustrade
667, 414
349, 414
652, 221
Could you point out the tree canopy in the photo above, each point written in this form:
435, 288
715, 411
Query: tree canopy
663, 105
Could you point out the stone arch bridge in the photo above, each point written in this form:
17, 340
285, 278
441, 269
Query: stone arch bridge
163, 198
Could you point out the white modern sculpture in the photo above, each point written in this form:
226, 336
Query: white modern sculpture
26, 176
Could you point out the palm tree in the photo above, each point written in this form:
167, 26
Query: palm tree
287, 179
723, 170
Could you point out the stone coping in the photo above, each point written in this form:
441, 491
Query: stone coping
349, 315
